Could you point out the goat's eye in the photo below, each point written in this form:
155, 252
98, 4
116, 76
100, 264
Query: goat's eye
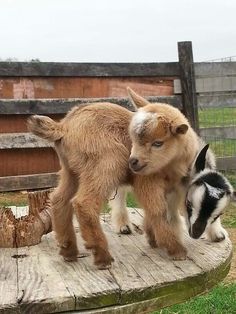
157, 144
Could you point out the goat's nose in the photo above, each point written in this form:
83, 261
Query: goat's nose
133, 161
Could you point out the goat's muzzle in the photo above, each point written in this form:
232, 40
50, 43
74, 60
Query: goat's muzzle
135, 165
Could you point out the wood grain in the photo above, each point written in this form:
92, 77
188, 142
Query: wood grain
62, 106
187, 77
28, 182
87, 69
141, 279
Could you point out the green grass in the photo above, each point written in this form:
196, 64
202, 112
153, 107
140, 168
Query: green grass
217, 117
13, 199
231, 175
220, 300
131, 201
223, 148
229, 217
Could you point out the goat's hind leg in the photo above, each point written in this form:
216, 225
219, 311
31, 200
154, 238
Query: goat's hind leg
119, 213
88, 203
62, 215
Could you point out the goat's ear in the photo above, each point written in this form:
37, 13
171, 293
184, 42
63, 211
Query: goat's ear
200, 162
234, 196
179, 129
136, 99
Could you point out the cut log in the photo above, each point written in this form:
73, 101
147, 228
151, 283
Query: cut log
27, 230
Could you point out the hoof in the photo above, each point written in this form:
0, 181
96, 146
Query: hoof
69, 252
125, 229
152, 244
103, 261
178, 255
219, 238
104, 266
70, 258
83, 254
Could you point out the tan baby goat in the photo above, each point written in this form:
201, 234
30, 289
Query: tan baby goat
97, 145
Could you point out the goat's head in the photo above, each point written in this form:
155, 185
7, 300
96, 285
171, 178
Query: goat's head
157, 133
207, 197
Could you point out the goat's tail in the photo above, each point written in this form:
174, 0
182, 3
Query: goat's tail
45, 127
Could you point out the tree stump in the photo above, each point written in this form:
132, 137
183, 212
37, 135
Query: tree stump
27, 230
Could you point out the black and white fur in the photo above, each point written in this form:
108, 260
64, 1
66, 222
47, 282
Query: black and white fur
208, 195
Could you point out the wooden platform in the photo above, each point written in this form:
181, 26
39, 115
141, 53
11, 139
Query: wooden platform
36, 279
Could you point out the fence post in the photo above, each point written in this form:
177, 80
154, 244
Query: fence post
187, 78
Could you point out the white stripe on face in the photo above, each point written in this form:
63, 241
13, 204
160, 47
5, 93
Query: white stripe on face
195, 196
140, 118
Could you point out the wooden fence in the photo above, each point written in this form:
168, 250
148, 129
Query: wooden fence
28, 162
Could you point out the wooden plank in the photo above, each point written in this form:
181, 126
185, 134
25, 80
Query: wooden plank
91, 287
8, 279
28, 182
88, 69
226, 132
18, 123
226, 163
82, 87
210, 85
22, 140
61, 106
140, 279
217, 100
187, 77
28, 161
214, 69
41, 288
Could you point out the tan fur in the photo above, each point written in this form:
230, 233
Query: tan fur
94, 145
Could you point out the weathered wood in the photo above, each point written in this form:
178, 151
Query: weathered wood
22, 140
210, 85
24, 230
8, 279
140, 280
225, 132
27, 161
82, 87
217, 100
88, 69
214, 69
112, 69
62, 106
226, 163
28, 182
187, 77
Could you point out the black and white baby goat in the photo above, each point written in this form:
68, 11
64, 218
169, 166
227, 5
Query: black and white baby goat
208, 195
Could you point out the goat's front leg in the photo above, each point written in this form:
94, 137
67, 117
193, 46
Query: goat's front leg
176, 204
119, 213
159, 231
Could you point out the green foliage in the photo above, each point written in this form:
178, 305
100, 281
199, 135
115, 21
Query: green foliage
220, 300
